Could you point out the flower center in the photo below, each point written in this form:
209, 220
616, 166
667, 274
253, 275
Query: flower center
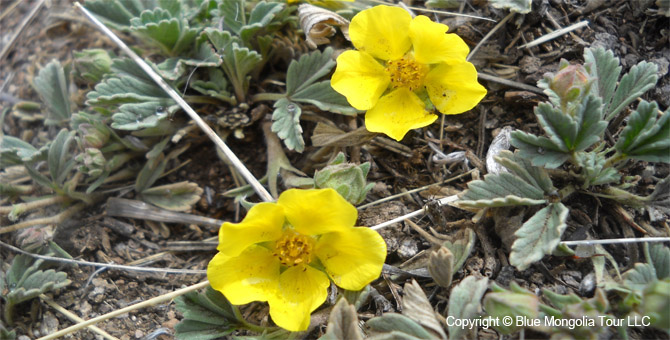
293, 249
406, 72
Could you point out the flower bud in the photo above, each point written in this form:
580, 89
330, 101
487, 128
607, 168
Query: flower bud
93, 137
347, 179
570, 83
92, 162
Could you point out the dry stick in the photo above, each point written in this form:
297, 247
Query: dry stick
248, 176
143, 304
554, 34
433, 10
75, 317
510, 83
105, 265
19, 30
488, 35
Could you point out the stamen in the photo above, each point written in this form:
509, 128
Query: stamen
293, 249
406, 72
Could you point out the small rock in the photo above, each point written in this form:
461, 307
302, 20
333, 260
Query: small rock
588, 285
408, 248
662, 64
530, 64
139, 334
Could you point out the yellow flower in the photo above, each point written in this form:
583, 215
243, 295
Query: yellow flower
401, 64
287, 252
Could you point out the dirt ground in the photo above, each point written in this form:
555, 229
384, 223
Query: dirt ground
631, 28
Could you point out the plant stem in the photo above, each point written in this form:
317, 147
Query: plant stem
567, 191
266, 97
28, 206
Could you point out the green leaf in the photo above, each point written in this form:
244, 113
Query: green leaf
308, 69
173, 35
238, 61
465, 302
594, 170
640, 276
204, 56
92, 64
233, 14
176, 196
415, 305
206, 316
127, 84
325, 98
660, 259
153, 168
517, 6
655, 302
136, 116
117, 14
517, 302
633, 84
522, 167
343, 322
393, 322
461, 247
286, 124
500, 190
604, 67
443, 3
14, 151
261, 16
60, 158
539, 235
540, 150
37, 283
52, 85
645, 137
216, 86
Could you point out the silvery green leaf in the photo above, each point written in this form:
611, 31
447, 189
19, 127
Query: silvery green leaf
204, 56
127, 84
539, 235
92, 64
233, 15
660, 197
136, 116
517, 6
638, 277
216, 86
514, 302
594, 170
646, 137
521, 167
52, 85
399, 324
286, 123
633, 84
308, 69
206, 316
117, 14
238, 62
540, 150
60, 158
176, 196
660, 259
461, 247
465, 302
415, 305
261, 16
325, 98
604, 67
172, 34
501, 190
343, 323
153, 168
14, 151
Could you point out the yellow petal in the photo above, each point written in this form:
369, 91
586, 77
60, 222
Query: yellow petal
454, 89
381, 31
263, 222
432, 45
317, 211
301, 290
353, 258
360, 78
398, 112
252, 276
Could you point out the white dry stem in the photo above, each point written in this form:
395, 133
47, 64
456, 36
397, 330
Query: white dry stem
248, 176
148, 303
74, 317
554, 34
